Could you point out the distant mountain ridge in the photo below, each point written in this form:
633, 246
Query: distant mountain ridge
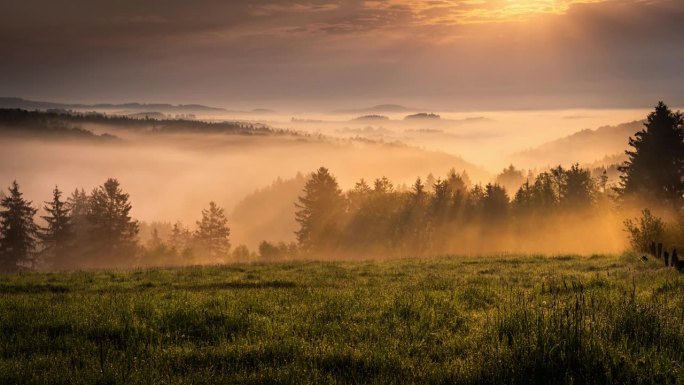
379, 109
586, 146
57, 123
14, 102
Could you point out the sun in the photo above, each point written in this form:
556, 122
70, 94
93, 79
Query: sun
484, 11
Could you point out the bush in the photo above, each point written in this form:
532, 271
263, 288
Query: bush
645, 230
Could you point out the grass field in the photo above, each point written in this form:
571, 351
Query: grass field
486, 320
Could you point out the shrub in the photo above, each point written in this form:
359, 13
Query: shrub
645, 230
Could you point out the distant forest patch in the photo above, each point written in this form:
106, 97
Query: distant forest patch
422, 115
44, 124
62, 123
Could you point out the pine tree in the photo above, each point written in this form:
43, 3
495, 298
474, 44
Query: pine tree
357, 197
213, 232
57, 236
544, 193
18, 231
523, 202
579, 190
495, 204
180, 237
319, 211
112, 230
79, 206
654, 171
510, 178
413, 224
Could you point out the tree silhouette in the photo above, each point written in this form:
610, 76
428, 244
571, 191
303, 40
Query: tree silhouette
495, 204
510, 178
654, 170
112, 230
412, 226
579, 189
318, 211
57, 237
544, 194
180, 238
18, 231
212, 232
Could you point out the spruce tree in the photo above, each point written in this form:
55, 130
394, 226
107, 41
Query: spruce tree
57, 236
113, 232
654, 171
213, 232
318, 211
510, 178
18, 231
180, 237
579, 190
495, 204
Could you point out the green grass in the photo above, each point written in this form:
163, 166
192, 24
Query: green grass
486, 320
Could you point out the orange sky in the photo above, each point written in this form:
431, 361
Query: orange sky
323, 54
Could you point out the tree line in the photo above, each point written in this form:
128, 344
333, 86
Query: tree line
378, 217
95, 230
432, 216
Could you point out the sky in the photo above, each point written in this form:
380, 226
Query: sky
323, 55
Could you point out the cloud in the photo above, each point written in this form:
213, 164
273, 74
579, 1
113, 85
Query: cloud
464, 53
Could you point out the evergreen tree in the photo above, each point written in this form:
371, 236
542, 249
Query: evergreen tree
112, 231
180, 237
18, 231
382, 186
79, 206
213, 232
523, 201
495, 204
155, 240
412, 226
457, 183
440, 203
57, 236
358, 196
510, 178
544, 194
157, 252
318, 211
476, 197
579, 189
654, 170
430, 181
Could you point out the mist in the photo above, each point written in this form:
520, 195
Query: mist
171, 177
257, 172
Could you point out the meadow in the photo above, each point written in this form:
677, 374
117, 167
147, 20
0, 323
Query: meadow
463, 320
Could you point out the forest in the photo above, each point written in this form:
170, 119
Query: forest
66, 122
435, 216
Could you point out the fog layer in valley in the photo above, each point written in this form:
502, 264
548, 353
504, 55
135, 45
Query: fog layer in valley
257, 178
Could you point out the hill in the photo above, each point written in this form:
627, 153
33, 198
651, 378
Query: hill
161, 162
379, 109
586, 146
57, 122
13, 102
423, 116
371, 118
21, 123
268, 213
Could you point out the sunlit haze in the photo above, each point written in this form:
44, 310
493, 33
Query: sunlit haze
400, 89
